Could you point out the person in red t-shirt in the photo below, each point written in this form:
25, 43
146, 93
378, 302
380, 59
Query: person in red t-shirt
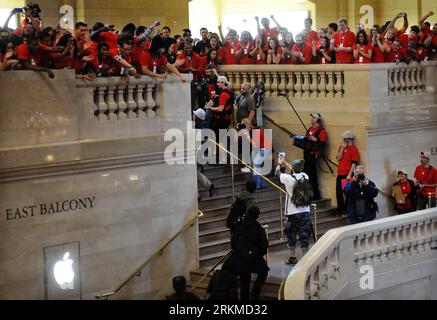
377, 42
408, 188
323, 53
231, 46
318, 136
302, 51
362, 49
153, 63
259, 51
285, 49
121, 57
312, 35
391, 25
344, 41
348, 157
99, 62
412, 37
394, 53
267, 33
245, 49
425, 177
190, 62
273, 55
215, 43
33, 56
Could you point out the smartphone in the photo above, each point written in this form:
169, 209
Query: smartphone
281, 154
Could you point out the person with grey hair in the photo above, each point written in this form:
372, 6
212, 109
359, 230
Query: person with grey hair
361, 193
348, 157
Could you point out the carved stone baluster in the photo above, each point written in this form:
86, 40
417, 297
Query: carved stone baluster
339, 83
245, 77
157, 98
283, 82
403, 85
230, 77
260, 77
290, 83
391, 84
252, 79
150, 102
331, 84
420, 81
275, 83
414, 81
112, 106
323, 85
121, 104
268, 83
237, 81
299, 84
408, 81
314, 86
131, 104
139, 99
306, 84
396, 82
101, 106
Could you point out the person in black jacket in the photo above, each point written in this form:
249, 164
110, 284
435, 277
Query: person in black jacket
249, 244
360, 192
408, 188
180, 288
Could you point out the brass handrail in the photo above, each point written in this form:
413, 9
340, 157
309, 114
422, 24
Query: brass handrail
281, 295
248, 166
160, 251
210, 270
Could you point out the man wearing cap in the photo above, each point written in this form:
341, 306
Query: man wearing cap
426, 182
404, 191
318, 136
348, 158
199, 118
297, 218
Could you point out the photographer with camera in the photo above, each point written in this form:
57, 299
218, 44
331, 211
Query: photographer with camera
318, 138
425, 177
361, 193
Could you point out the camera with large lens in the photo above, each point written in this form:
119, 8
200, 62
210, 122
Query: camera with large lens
361, 177
33, 9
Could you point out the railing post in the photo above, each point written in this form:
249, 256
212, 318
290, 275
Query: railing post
314, 212
233, 179
281, 219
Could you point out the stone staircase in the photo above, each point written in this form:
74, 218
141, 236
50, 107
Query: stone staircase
214, 236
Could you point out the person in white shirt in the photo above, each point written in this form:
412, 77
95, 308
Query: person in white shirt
298, 220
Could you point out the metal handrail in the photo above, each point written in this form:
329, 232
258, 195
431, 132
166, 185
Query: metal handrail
196, 285
160, 251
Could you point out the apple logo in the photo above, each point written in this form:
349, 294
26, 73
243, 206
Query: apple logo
64, 274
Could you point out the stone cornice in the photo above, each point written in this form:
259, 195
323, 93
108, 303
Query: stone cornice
401, 127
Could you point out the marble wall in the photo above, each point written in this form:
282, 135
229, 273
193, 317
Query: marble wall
47, 187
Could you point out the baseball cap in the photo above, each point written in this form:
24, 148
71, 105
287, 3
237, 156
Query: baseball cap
403, 170
348, 135
199, 113
316, 115
223, 79
426, 154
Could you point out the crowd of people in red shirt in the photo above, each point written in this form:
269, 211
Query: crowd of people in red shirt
103, 51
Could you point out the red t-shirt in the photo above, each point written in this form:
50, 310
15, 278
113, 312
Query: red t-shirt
110, 38
347, 40
231, 54
288, 60
323, 136
259, 59
366, 49
37, 59
312, 35
268, 34
195, 61
223, 99
245, 55
426, 176
350, 155
307, 52
393, 56
377, 55
152, 63
113, 54
406, 190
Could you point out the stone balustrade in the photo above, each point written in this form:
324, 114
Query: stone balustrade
400, 250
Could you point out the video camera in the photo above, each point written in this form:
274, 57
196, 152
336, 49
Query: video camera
259, 93
32, 9
302, 142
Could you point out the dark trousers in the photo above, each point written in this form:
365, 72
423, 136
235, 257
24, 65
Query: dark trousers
341, 203
245, 285
310, 168
423, 202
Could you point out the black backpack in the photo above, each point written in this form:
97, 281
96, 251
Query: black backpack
302, 192
237, 214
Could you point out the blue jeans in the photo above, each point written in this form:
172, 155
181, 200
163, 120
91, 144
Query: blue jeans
258, 165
